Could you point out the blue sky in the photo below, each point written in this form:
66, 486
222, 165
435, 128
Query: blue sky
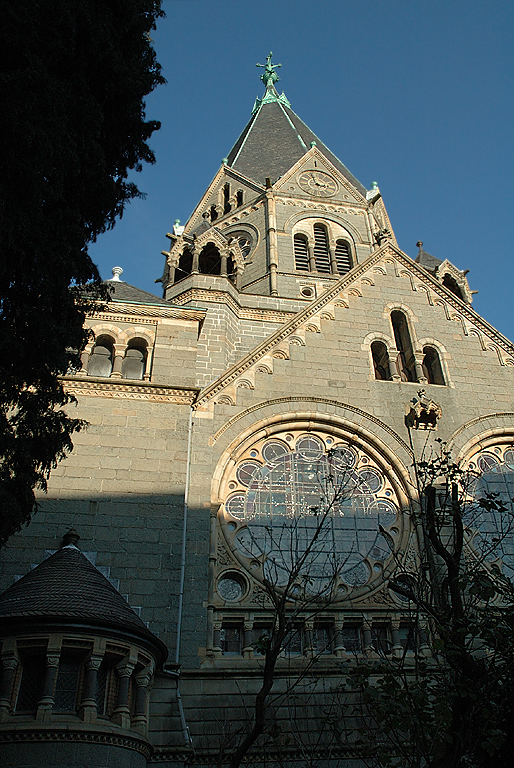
417, 96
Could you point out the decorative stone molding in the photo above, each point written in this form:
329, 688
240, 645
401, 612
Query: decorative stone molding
423, 412
384, 253
223, 297
27, 732
125, 312
117, 389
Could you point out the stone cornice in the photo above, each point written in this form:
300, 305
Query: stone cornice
148, 310
244, 313
119, 389
345, 282
92, 734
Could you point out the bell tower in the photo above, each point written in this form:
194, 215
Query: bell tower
283, 216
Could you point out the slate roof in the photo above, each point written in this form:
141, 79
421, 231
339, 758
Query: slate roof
121, 291
427, 260
273, 141
66, 587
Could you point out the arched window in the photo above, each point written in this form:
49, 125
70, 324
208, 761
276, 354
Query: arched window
209, 262
301, 253
432, 366
214, 213
101, 358
343, 258
452, 285
321, 252
405, 362
185, 265
134, 362
380, 361
239, 197
226, 199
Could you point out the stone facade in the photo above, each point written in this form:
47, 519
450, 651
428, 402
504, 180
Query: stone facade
243, 355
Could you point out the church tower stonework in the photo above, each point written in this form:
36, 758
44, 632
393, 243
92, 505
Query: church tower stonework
294, 342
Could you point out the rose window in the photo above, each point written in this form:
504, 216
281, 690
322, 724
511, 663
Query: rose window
313, 503
493, 528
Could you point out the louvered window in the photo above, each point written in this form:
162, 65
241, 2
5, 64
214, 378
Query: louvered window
321, 254
301, 253
343, 260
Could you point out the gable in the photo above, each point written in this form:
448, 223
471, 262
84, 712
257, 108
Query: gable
414, 291
214, 197
313, 176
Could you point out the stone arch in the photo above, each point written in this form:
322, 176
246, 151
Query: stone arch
328, 217
364, 434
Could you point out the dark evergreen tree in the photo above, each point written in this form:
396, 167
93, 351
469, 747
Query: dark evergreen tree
73, 80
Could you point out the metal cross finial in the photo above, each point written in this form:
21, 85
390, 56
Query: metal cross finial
269, 76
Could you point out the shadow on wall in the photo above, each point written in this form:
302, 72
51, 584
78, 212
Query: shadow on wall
136, 542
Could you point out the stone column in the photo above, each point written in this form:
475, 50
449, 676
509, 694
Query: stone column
148, 363
339, 649
310, 254
333, 262
224, 259
366, 638
88, 705
117, 362
308, 639
171, 275
195, 269
46, 702
143, 680
393, 369
84, 359
272, 241
420, 374
247, 639
397, 649
216, 645
121, 714
10, 664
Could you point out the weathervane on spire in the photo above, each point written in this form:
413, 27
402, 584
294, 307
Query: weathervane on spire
269, 76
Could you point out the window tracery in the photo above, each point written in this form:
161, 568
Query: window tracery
491, 529
277, 491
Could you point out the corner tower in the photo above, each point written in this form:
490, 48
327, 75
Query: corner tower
283, 217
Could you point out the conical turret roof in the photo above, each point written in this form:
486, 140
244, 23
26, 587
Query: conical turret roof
274, 140
67, 588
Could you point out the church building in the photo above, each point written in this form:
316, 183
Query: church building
295, 347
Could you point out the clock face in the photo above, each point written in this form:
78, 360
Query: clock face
317, 183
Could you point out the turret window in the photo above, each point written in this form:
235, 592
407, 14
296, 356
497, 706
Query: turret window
33, 668
432, 366
321, 252
185, 264
343, 258
210, 261
301, 253
101, 358
134, 362
380, 361
239, 197
67, 686
405, 362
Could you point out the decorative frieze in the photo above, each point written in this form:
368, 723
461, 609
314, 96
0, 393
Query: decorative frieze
117, 389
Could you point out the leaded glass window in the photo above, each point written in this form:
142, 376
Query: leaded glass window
307, 492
